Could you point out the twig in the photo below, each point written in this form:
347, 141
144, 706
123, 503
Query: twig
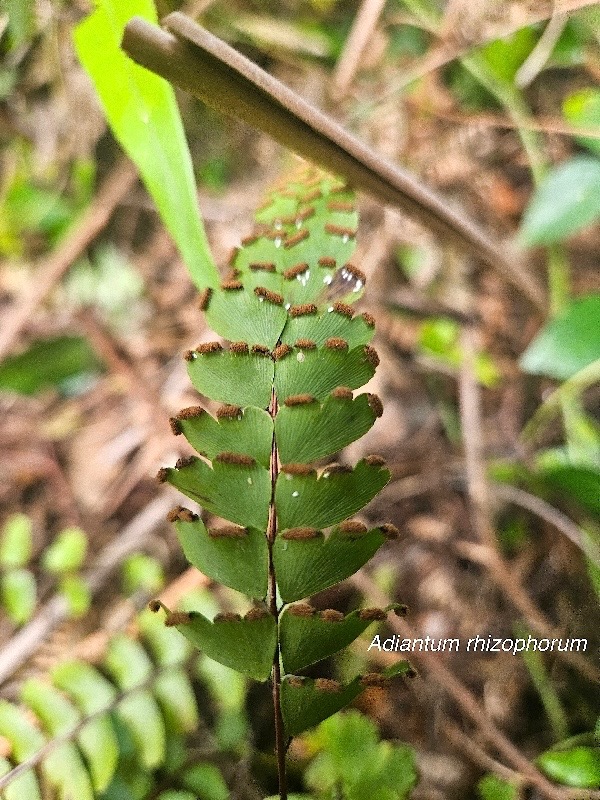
131, 538
541, 124
499, 571
362, 29
442, 54
576, 384
482, 759
545, 511
536, 60
221, 77
111, 193
465, 700
479, 756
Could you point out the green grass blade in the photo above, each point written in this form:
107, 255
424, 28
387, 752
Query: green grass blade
143, 115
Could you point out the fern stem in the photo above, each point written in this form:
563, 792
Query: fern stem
276, 672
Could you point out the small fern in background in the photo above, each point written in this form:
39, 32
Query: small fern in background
61, 560
111, 729
285, 381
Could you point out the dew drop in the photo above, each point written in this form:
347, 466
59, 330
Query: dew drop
287, 306
288, 477
327, 280
300, 356
249, 481
298, 223
295, 494
261, 299
345, 239
278, 241
278, 225
330, 309
358, 286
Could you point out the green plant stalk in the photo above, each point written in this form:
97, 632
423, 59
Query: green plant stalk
547, 693
280, 748
570, 388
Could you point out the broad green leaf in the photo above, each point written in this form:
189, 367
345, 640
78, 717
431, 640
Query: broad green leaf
19, 595
491, 787
24, 786
304, 704
568, 342
249, 432
235, 492
175, 694
141, 715
15, 541
246, 645
143, 115
308, 432
566, 200
142, 572
243, 379
575, 766
305, 500
503, 57
206, 781
304, 640
240, 562
67, 551
176, 794
305, 567
16, 726
583, 108
241, 316
581, 484
46, 364
318, 372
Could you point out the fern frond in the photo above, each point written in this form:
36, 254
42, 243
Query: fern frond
296, 351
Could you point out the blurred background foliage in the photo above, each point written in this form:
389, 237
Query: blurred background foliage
500, 110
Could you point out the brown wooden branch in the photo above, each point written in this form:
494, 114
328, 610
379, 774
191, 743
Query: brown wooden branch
195, 60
